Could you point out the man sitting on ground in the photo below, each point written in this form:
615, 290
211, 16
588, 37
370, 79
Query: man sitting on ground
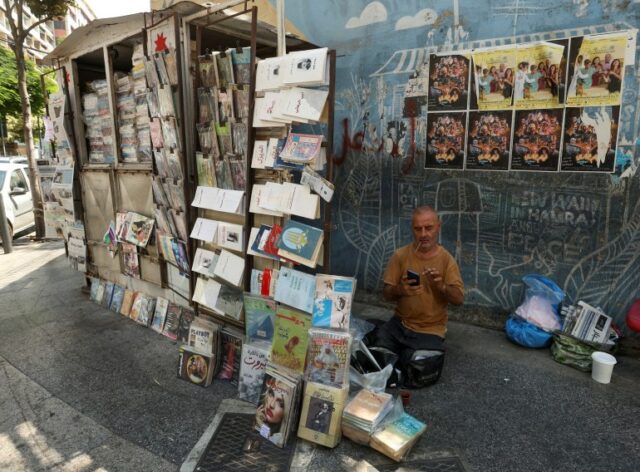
420, 320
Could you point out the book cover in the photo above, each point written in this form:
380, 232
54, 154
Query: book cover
275, 410
321, 414
131, 265
259, 316
241, 101
241, 61
328, 356
290, 339
231, 344
271, 243
204, 262
296, 289
304, 103
186, 319
160, 314
225, 142
229, 302
203, 335
172, 321
368, 407
252, 368
225, 69
332, 301
117, 298
395, 438
108, 293
195, 366
127, 302
306, 67
300, 239
207, 71
238, 174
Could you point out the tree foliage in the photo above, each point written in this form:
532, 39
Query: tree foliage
9, 95
49, 8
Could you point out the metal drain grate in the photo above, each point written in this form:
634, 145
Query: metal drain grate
445, 464
236, 447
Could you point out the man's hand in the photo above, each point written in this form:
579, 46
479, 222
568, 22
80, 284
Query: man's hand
403, 289
434, 278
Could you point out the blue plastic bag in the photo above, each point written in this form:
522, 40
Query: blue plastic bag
541, 303
526, 334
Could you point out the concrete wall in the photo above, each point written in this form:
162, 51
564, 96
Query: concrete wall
581, 230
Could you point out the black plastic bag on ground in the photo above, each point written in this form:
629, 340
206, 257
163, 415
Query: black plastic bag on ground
422, 368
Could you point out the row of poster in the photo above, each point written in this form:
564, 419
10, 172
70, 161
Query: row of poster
580, 139
583, 71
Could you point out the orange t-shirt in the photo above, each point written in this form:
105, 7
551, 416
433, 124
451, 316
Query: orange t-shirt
427, 312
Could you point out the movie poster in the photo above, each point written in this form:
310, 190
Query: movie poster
445, 140
596, 69
494, 76
489, 141
538, 76
590, 139
536, 140
448, 82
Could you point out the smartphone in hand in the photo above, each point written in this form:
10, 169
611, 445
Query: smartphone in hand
414, 277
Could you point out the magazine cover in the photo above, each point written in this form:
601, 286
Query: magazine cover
448, 82
117, 298
491, 68
539, 75
147, 308
445, 140
207, 71
328, 355
231, 344
203, 335
489, 140
275, 409
332, 302
296, 289
127, 302
136, 307
259, 315
229, 302
160, 314
290, 338
184, 325
204, 262
172, 321
139, 230
536, 140
108, 293
195, 366
130, 260
252, 368
301, 148
225, 69
596, 69
590, 136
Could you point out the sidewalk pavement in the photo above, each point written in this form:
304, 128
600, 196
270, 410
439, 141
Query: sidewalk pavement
84, 389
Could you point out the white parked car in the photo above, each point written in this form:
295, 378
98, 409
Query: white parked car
16, 193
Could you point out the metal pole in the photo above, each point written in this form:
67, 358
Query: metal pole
4, 228
4, 149
280, 25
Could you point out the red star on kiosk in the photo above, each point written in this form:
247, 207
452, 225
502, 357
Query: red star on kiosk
161, 42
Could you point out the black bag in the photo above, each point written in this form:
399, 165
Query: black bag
422, 368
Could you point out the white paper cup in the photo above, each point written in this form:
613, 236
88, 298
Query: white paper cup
602, 367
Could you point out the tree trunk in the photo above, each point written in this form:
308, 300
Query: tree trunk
36, 193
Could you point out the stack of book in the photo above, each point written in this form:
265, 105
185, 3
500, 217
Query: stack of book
278, 410
396, 438
200, 357
364, 413
255, 357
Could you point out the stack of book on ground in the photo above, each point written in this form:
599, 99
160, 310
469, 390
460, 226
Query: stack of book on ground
199, 358
397, 436
364, 413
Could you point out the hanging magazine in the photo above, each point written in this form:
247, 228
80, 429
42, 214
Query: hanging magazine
328, 355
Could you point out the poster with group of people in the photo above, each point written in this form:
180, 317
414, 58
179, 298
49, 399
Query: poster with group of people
545, 106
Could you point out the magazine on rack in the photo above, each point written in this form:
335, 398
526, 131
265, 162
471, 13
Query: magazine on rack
296, 289
229, 267
300, 243
231, 341
301, 148
259, 315
196, 366
332, 301
204, 262
328, 356
291, 333
253, 364
160, 314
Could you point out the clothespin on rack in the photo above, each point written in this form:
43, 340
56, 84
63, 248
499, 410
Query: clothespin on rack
223, 54
238, 48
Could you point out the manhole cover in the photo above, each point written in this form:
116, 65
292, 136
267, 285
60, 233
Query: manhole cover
444, 464
235, 446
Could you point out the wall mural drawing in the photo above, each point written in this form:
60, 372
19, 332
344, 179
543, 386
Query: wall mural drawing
581, 230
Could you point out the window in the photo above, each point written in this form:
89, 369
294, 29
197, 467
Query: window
18, 180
